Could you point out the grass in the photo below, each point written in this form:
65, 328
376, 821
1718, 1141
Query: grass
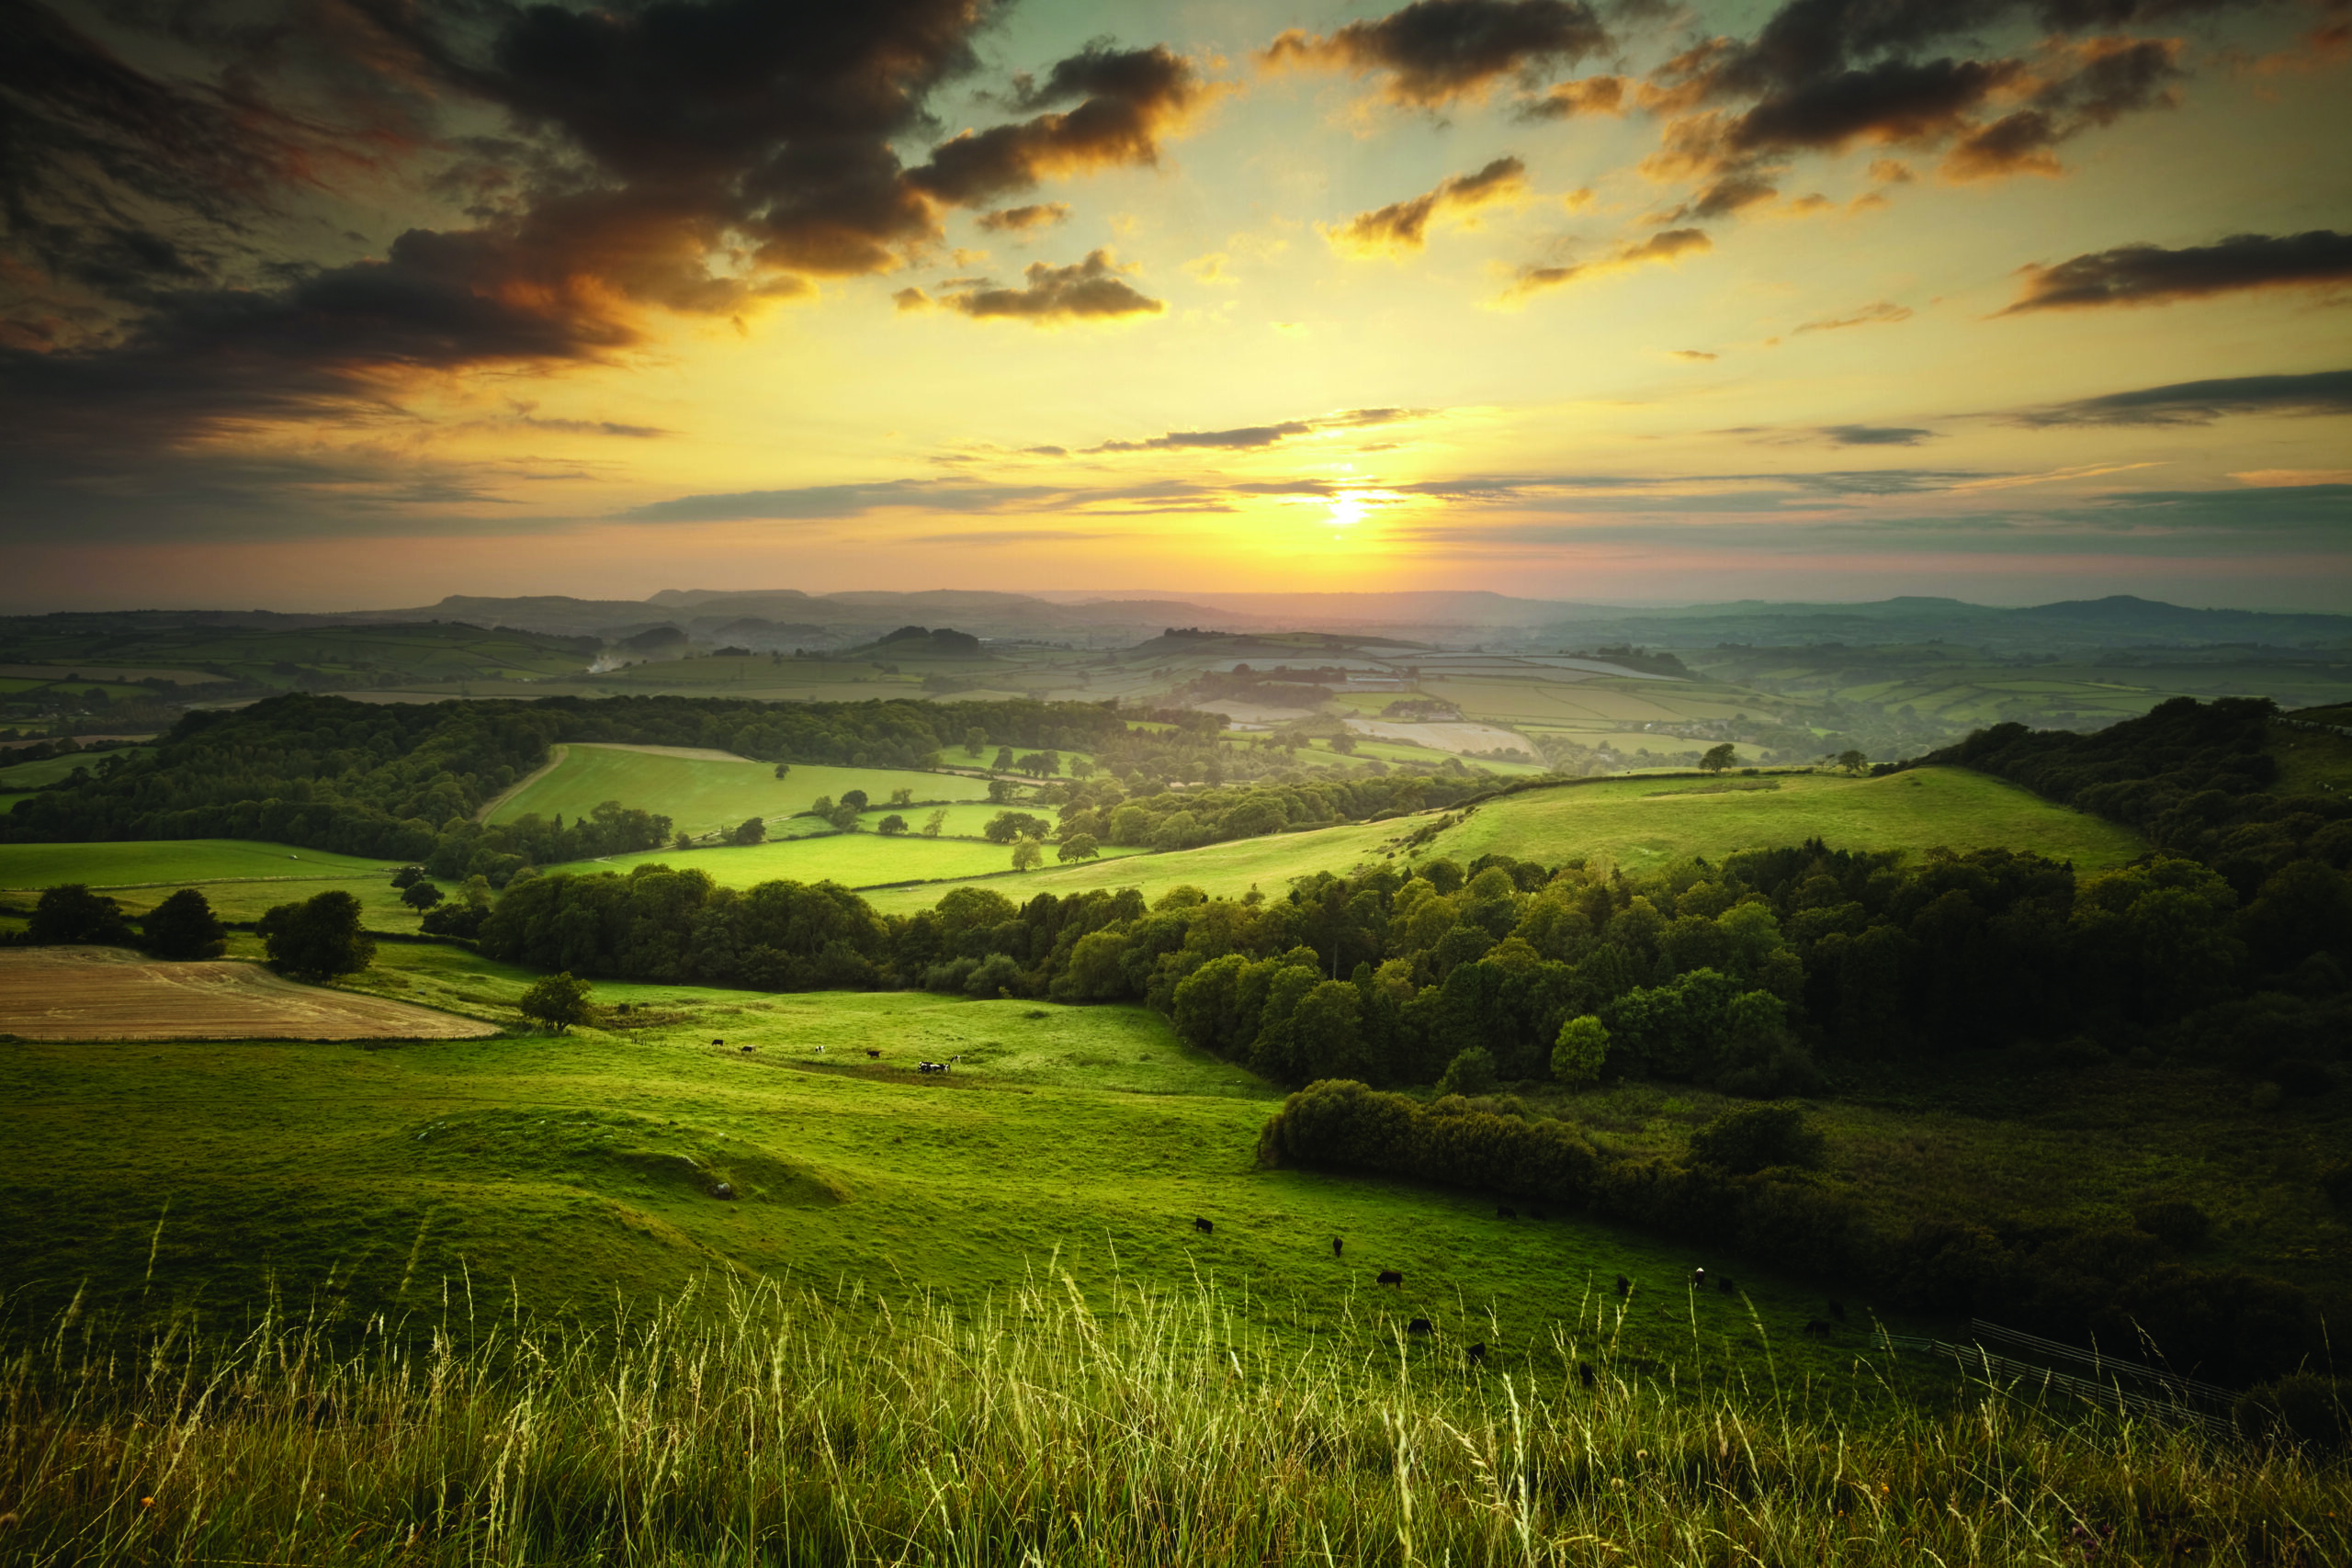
149, 1178
1639, 823
831, 1426
34, 775
241, 879
702, 795
855, 859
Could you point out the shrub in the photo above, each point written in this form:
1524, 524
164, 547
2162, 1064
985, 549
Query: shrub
72, 913
2175, 1221
1470, 1072
557, 1002
182, 926
1756, 1137
1581, 1048
318, 939
2302, 1408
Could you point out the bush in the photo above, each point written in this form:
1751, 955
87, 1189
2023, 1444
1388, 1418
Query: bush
184, 927
1581, 1048
2175, 1221
1471, 1072
318, 939
72, 913
1756, 1137
558, 1002
2302, 1408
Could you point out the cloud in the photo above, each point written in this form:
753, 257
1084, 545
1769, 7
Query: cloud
1664, 246
818, 502
2326, 508
1885, 312
1435, 51
1125, 102
2150, 275
1404, 225
1875, 435
2201, 403
1026, 220
1584, 96
1092, 290
1697, 354
1251, 437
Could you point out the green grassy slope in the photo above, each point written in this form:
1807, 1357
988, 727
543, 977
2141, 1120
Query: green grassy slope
569, 1167
855, 859
242, 879
701, 796
33, 775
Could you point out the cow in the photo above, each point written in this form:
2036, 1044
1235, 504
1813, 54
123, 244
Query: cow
1584, 1374
1723, 1283
1203, 1227
931, 1066
1390, 1277
1477, 1354
719, 1042
1625, 1286
1838, 1311
749, 1049
1337, 1246
876, 1054
1698, 1278
1505, 1214
1419, 1325
1816, 1329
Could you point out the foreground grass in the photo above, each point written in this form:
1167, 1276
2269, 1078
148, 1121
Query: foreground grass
782, 1426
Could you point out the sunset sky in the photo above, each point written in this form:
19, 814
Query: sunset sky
312, 304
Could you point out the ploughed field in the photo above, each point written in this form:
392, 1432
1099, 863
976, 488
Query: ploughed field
110, 993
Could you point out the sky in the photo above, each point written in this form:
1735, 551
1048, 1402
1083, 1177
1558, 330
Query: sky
328, 304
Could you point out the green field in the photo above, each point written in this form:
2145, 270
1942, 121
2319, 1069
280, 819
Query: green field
853, 860
703, 793
1640, 823
242, 880
33, 775
1081, 1138
1636, 823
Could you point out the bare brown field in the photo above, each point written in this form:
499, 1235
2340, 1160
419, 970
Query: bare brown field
107, 993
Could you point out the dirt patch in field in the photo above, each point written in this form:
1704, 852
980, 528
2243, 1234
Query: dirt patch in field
107, 993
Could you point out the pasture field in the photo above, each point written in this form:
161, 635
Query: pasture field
853, 860
112, 993
964, 821
564, 1170
35, 775
705, 791
241, 879
1641, 823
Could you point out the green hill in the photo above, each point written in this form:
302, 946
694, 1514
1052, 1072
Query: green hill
703, 792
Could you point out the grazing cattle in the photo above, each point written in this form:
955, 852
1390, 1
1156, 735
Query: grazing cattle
1723, 1283
749, 1049
1203, 1227
1389, 1277
1477, 1354
1505, 1214
1335, 1246
1584, 1374
1419, 1325
876, 1055
1625, 1286
1816, 1329
1698, 1278
931, 1066
719, 1042
1838, 1311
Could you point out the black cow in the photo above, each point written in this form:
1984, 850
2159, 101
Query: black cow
1477, 1354
1584, 1374
1419, 1325
1723, 1283
749, 1049
1838, 1311
1389, 1277
1816, 1329
1337, 1246
719, 1042
1505, 1214
1203, 1227
1625, 1286
874, 1053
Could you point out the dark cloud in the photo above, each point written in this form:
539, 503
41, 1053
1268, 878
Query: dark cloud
1434, 51
1886, 312
2323, 507
1026, 220
1876, 434
1584, 96
817, 503
1129, 99
1404, 225
2202, 402
1090, 289
1250, 437
1665, 245
2150, 275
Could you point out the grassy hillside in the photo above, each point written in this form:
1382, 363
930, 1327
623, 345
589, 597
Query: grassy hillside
853, 860
242, 879
48, 770
1634, 822
702, 793
563, 1168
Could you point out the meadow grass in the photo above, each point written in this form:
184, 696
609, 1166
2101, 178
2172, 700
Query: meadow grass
853, 860
703, 794
1054, 1423
176, 861
34, 775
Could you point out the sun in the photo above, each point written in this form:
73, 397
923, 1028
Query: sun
1347, 510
